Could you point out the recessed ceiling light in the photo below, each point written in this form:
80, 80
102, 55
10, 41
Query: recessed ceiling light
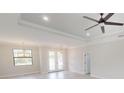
45, 18
87, 34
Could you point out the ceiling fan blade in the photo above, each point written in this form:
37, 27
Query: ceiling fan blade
114, 23
91, 19
103, 29
91, 27
108, 16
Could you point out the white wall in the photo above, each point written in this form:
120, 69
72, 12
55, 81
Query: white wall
13, 33
7, 67
76, 60
40, 60
107, 59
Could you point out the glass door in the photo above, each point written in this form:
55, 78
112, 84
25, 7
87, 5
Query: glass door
60, 61
52, 64
55, 61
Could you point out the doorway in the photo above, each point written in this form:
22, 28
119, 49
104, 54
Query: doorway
87, 63
55, 61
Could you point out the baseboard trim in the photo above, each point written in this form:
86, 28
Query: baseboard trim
55, 71
7, 76
92, 75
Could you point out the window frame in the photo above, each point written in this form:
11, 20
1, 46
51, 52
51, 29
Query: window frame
22, 57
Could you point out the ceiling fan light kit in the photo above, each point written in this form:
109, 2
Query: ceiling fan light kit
102, 22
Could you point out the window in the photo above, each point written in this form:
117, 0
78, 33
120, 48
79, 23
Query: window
22, 57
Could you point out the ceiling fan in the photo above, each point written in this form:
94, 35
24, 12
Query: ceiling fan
103, 21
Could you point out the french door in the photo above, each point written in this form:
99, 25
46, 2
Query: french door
55, 61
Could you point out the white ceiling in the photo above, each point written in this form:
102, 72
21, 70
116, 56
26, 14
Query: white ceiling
70, 24
74, 23
12, 32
